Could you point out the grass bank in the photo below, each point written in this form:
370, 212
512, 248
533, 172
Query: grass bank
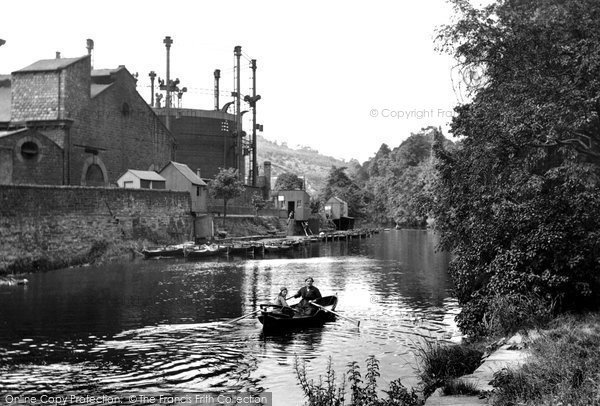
563, 368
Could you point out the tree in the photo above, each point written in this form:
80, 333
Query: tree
517, 203
288, 181
258, 202
338, 184
226, 185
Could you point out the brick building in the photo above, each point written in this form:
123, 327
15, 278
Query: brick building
63, 123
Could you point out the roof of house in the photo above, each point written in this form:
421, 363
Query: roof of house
146, 175
49, 65
336, 199
96, 89
11, 132
105, 72
187, 172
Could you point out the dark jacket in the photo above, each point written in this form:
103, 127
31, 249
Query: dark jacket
307, 295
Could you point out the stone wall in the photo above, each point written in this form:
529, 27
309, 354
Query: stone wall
58, 223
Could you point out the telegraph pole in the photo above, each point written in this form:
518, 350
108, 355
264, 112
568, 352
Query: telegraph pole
254, 166
237, 51
152, 75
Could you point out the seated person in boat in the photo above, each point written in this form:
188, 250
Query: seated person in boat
281, 301
308, 294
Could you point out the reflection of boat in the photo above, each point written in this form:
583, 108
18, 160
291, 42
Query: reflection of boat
278, 319
166, 250
202, 251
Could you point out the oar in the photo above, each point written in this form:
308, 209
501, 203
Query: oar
337, 314
244, 316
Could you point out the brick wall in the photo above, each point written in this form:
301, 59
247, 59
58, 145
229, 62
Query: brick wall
122, 130
66, 221
45, 167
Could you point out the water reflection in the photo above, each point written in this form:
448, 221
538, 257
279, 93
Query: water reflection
162, 325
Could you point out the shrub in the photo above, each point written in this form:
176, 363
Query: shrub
326, 392
439, 364
510, 313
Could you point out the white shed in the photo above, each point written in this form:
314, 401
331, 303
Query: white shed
135, 179
180, 177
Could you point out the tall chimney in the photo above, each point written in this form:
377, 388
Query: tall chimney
237, 51
217, 77
90, 47
168, 41
152, 75
57, 54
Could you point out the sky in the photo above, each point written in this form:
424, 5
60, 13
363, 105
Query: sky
340, 77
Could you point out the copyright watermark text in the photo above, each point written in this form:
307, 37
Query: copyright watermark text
412, 114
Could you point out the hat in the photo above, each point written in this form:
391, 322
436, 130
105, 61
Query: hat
311, 279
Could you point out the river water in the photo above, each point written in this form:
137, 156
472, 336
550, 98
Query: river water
161, 325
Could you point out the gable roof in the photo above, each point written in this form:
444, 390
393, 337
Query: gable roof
11, 132
187, 172
336, 200
146, 175
50, 65
96, 89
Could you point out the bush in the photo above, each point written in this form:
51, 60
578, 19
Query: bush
508, 314
564, 367
326, 392
440, 364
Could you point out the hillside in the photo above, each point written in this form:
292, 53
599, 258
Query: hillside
303, 161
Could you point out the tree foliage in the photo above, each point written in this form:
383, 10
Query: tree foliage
339, 184
288, 181
518, 202
226, 185
397, 180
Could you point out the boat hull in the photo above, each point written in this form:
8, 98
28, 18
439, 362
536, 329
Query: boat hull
273, 320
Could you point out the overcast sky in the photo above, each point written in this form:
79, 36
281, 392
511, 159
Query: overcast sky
341, 77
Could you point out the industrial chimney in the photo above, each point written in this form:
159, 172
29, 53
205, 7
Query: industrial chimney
90, 48
217, 77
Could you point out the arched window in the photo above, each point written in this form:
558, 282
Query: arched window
94, 176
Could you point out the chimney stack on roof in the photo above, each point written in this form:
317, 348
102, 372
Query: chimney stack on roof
90, 47
57, 54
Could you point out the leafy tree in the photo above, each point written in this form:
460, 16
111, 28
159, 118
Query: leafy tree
518, 202
258, 202
226, 185
288, 181
340, 185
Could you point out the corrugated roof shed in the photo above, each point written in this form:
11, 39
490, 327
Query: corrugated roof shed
189, 174
147, 175
49, 65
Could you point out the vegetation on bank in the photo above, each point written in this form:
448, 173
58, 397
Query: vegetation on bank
517, 201
563, 368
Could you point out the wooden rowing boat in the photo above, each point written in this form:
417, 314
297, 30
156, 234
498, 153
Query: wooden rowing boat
274, 317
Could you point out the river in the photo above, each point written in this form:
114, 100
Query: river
161, 325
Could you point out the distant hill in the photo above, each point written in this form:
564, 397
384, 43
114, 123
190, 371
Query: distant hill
303, 161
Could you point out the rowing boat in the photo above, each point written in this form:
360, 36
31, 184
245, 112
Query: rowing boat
278, 318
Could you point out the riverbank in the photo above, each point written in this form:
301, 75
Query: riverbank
556, 364
25, 256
